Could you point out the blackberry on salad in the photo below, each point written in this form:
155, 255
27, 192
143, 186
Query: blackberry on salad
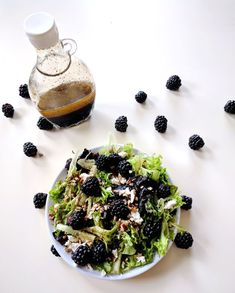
117, 210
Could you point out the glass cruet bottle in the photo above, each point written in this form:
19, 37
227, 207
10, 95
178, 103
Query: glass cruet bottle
60, 84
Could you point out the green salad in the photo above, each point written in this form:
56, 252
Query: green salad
115, 209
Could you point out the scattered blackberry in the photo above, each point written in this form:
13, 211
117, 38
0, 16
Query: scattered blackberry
91, 186
54, 251
152, 229
76, 219
119, 209
163, 191
39, 200
195, 142
44, 124
30, 149
98, 252
23, 91
230, 107
67, 164
160, 124
124, 169
183, 240
141, 97
113, 160
102, 163
173, 83
82, 255
60, 236
188, 202
121, 124
8, 110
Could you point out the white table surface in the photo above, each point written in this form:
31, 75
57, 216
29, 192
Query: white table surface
128, 46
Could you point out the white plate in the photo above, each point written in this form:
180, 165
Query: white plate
67, 256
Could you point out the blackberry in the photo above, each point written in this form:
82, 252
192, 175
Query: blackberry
187, 202
183, 240
89, 223
88, 155
60, 236
141, 206
98, 252
44, 124
102, 163
143, 196
152, 229
121, 124
195, 142
144, 181
107, 219
91, 186
29, 149
141, 97
76, 219
54, 251
119, 209
23, 91
113, 160
84, 154
82, 255
114, 244
173, 83
8, 110
230, 107
67, 164
163, 191
39, 200
160, 124
124, 169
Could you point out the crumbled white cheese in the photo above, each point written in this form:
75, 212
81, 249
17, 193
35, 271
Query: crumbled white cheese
74, 246
103, 273
122, 154
84, 176
115, 253
122, 180
133, 192
56, 206
135, 217
71, 238
140, 259
109, 188
170, 204
90, 268
115, 180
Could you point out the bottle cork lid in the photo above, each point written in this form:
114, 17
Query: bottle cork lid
41, 30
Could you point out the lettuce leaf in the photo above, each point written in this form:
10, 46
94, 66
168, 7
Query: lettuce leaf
57, 193
128, 244
77, 233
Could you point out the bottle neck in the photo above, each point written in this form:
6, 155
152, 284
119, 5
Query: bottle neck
53, 61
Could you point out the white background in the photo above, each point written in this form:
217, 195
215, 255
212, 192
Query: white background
128, 46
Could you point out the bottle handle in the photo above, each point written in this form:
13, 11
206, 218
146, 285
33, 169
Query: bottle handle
72, 48
71, 44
